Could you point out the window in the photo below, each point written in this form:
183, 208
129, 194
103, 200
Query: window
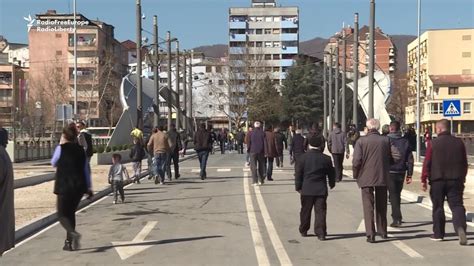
276, 57
467, 108
277, 19
436, 108
289, 30
268, 19
453, 90
251, 44
258, 44
210, 105
220, 82
268, 57
276, 44
210, 93
268, 44
258, 31
251, 31
466, 37
276, 69
208, 69
276, 31
59, 52
221, 107
218, 69
466, 54
259, 19
466, 71
268, 31
58, 35
210, 81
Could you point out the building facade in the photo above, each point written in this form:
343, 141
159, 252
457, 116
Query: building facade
100, 67
447, 72
12, 92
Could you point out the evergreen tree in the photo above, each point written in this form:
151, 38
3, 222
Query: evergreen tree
264, 102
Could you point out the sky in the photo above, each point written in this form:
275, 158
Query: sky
204, 22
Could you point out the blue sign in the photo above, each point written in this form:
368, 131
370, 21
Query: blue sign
451, 108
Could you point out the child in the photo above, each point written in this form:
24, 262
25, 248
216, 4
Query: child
137, 154
116, 172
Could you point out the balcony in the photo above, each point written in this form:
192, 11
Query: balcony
289, 50
286, 62
289, 36
236, 50
237, 25
238, 37
288, 24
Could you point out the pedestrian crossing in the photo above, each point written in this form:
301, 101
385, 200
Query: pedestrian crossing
229, 169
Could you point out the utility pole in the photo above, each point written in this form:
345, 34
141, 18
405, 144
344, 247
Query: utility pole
336, 83
169, 94
355, 68
75, 61
156, 75
418, 89
139, 67
189, 103
185, 93
343, 87
325, 99
178, 103
371, 58
330, 91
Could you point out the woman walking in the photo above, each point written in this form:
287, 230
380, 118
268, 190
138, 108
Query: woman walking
72, 181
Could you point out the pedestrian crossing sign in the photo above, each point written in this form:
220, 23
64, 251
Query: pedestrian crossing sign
451, 108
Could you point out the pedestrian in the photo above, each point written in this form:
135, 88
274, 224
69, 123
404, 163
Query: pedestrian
161, 148
116, 177
257, 154
213, 138
7, 208
150, 156
247, 140
231, 141
137, 154
270, 152
240, 138
72, 181
289, 135
281, 144
315, 131
352, 136
336, 145
399, 172
202, 145
222, 138
311, 178
445, 169
385, 130
184, 140
371, 161
297, 148
411, 136
85, 140
174, 140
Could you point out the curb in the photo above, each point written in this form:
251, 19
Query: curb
32, 180
36, 225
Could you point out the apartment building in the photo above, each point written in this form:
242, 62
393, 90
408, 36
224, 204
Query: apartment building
447, 72
100, 66
12, 92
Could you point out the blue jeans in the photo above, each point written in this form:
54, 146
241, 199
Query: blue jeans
159, 164
203, 155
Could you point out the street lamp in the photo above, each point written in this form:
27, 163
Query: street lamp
418, 141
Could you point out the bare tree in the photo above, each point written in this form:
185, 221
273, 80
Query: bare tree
399, 98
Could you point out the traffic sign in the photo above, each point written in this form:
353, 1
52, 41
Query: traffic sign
451, 108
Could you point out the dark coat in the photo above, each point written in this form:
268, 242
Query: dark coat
405, 165
70, 170
313, 174
137, 153
298, 145
373, 155
281, 143
310, 135
240, 137
7, 209
202, 140
257, 141
445, 159
337, 141
271, 150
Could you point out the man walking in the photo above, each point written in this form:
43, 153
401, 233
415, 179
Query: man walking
445, 168
352, 137
247, 141
240, 138
398, 171
222, 138
280, 141
336, 146
297, 148
373, 155
202, 145
161, 148
257, 154
174, 140
312, 176
270, 152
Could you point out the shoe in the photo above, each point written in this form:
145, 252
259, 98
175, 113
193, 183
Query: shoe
247, 164
162, 182
177, 176
122, 200
202, 178
304, 234
270, 179
322, 238
437, 239
371, 239
150, 177
396, 224
67, 246
114, 202
462, 236
259, 183
76, 240
384, 236
156, 180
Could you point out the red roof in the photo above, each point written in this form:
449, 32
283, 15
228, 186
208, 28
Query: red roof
129, 45
452, 79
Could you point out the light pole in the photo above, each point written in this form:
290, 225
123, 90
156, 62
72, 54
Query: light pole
355, 67
418, 77
75, 60
178, 102
371, 58
139, 66
343, 86
330, 91
189, 103
169, 100
325, 98
185, 92
336, 84
156, 75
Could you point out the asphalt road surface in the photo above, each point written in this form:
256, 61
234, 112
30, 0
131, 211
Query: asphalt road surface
226, 221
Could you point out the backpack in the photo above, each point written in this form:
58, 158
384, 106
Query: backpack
88, 138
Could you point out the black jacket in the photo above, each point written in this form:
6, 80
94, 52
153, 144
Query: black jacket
314, 173
70, 170
137, 153
202, 140
297, 146
405, 165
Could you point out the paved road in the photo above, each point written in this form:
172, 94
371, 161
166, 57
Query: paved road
225, 221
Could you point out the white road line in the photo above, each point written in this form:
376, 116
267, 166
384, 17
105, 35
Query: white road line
260, 251
145, 231
223, 170
361, 227
276, 242
195, 170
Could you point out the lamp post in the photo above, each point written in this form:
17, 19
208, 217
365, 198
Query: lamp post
75, 60
355, 67
371, 58
139, 66
418, 77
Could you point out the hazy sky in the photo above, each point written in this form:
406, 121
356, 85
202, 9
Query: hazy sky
201, 22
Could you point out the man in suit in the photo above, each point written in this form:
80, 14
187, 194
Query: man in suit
257, 146
313, 173
373, 155
445, 168
297, 148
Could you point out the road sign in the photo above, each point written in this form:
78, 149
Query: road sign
451, 108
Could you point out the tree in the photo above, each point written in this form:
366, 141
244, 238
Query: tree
302, 92
264, 102
399, 98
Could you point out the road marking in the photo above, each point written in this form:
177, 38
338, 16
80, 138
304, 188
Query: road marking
260, 251
223, 170
276, 242
195, 170
246, 169
127, 249
398, 243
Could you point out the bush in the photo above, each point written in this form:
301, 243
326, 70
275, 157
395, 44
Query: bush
114, 148
101, 149
108, 149
94, 150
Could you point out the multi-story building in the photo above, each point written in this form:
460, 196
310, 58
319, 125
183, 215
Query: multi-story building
385, 50
447, 72
12, 92
14, 53
263, 40
100, 66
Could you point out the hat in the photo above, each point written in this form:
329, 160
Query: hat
315, 141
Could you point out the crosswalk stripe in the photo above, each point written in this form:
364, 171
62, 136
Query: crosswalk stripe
223, 170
